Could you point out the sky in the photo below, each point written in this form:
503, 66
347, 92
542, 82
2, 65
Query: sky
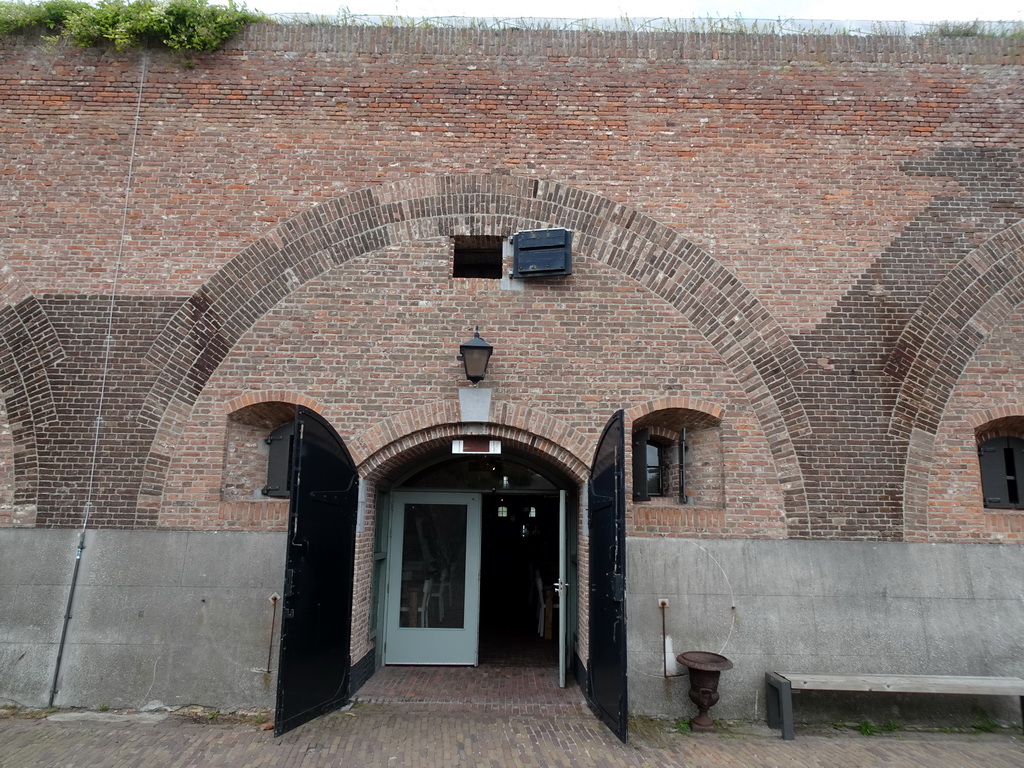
872, 10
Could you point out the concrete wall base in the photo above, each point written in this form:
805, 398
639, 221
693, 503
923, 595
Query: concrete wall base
160, 618
170, 618
836, 606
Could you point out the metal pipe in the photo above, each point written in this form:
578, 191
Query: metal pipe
664, 642
67, 615
273, 626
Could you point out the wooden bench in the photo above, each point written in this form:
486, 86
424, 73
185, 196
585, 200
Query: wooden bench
779, 687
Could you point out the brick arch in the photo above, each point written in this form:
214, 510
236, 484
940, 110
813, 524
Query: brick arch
756, 348
400, 437
253, 397
938, 343
1004, 421
949, 327
425, 443
1011, 412
678, 403
28, 347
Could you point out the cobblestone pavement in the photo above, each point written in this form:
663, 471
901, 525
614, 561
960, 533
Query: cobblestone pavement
434, 735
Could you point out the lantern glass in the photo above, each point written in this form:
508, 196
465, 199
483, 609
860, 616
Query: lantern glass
476, 353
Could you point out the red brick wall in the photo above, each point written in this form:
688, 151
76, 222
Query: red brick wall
379, 337
990, 391
801, 230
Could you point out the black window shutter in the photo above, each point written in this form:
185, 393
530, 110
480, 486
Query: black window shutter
992, 458
682, 466
640, 439
542, 253
279, 461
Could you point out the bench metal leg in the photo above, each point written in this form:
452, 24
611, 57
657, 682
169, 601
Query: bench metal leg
779, 698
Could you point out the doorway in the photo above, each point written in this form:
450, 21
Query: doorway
468, 563
519, 607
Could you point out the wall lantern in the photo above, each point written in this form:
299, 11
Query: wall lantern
475, 354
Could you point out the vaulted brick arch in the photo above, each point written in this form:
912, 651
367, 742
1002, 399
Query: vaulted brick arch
28, 346
939, 342
426, 443
399, 439
750, 341
956, 318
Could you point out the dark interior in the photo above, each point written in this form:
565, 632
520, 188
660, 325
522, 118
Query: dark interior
515, 549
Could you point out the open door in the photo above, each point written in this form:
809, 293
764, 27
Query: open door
607, 497
562, 589
314, 664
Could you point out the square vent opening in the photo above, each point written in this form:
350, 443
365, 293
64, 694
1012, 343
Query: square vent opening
477, 256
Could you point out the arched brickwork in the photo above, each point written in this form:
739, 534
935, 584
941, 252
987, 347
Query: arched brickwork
939, 342
251, 418
949, 327
398, 440
425, 443
637, 412
754, 346
534, 430
1006, 419
28, 345
275, 395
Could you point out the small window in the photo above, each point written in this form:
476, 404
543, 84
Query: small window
677, 455
1002, 462
653, 464
249, 454
655, 470
477, 256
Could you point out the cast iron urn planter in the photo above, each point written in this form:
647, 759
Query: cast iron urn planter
705, 669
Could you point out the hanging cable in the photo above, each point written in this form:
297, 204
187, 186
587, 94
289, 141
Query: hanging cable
108, 344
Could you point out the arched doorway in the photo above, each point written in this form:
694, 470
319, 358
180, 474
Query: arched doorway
476, 563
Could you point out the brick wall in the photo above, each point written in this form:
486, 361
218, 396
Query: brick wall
819, 235
988, 401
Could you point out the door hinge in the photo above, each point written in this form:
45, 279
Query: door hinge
618, 587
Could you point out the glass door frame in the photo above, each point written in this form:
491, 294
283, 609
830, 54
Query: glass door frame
433, 645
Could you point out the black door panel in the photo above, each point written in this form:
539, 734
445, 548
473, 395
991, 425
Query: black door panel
607, 666
314, 663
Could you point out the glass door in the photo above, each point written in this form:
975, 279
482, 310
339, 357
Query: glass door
433, 598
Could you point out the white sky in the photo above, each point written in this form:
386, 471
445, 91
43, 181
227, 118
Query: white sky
872, 10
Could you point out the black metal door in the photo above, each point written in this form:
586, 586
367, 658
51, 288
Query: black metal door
607, 666
313, 667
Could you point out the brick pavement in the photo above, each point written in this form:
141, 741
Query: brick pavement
435, 735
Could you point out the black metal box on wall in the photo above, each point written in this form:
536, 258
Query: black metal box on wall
542, 253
